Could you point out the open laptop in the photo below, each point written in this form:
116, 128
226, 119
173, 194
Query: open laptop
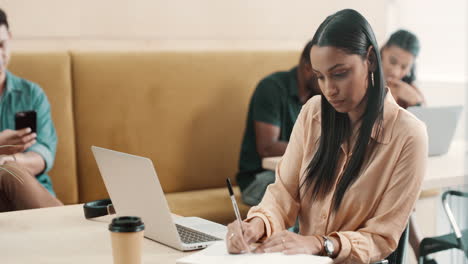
441, 123
135, 190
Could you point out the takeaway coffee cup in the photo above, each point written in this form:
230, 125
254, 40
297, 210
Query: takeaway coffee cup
127, 239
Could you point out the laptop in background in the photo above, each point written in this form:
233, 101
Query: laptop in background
135, 190
441, 123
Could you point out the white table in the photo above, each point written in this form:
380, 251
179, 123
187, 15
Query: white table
442, 171
63, 235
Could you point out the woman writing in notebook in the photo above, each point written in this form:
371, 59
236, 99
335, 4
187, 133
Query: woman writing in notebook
354, 165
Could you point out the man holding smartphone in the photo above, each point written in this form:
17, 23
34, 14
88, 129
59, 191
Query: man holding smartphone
25, 156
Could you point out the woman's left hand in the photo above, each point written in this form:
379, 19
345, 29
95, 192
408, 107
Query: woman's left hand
291, 243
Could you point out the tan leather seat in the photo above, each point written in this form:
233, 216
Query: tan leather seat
214, 204
52, 71
184, 110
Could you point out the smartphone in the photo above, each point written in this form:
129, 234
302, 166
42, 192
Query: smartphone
26, 119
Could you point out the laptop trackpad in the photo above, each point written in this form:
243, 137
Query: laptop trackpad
203, 225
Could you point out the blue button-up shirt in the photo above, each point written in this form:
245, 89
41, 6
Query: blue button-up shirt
22, 95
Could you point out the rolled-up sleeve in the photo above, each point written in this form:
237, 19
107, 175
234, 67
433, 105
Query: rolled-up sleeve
377, 238
280, 205
46, 136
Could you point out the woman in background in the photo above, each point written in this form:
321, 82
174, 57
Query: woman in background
398, 61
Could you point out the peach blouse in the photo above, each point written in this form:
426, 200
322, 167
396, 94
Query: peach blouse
376, 207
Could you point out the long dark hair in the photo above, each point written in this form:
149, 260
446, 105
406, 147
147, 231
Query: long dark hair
349, 31
409, 42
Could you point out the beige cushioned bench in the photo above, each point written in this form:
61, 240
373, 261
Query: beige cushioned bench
184, 110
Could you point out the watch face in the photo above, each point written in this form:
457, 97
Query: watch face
328, 245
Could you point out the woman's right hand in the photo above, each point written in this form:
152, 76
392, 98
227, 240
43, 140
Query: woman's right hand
237, 242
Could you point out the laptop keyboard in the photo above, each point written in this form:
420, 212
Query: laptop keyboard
190, 236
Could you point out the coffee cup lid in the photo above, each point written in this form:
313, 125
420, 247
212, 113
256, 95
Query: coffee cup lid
126, 224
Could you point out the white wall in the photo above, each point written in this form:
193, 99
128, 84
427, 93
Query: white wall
441, 27
175, 24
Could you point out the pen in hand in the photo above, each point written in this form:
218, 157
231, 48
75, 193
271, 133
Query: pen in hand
236, 208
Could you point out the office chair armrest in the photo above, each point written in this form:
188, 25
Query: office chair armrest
448, 211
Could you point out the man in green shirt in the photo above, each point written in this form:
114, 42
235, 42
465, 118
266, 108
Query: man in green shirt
25, 155
273, 110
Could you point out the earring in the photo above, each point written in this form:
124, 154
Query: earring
372, 78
